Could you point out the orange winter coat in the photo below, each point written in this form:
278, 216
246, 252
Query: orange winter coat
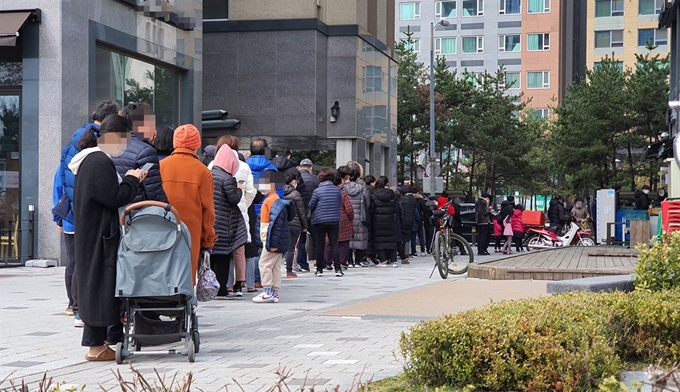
189, 187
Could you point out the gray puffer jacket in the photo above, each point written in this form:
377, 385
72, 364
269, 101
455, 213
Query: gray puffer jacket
294, 197
356, 193
229, 224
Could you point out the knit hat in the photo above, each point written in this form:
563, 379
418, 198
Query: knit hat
187, 136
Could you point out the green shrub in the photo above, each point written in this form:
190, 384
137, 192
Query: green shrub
570, 341
659, 266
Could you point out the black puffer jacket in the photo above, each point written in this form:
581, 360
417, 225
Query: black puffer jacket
292, 195
426, 212
557, 215
311, 183
408, 215
253, 248
641, 201
229, 224
384, 212
286, 166
138, 154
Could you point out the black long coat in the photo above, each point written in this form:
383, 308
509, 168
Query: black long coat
97, 197
229, 224
384, 211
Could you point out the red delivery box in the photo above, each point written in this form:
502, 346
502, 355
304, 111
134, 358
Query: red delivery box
533, 218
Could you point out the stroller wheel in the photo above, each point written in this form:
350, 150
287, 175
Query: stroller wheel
196, 337
191, 351
119, 353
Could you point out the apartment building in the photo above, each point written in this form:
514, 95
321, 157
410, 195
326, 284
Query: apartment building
279, 66
622, 28
527, 37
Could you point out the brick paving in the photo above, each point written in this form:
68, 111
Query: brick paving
240, 340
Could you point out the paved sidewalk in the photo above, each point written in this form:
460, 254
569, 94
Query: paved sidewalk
331, 327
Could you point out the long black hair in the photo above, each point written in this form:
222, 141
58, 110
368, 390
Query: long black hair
112, 123
164, 136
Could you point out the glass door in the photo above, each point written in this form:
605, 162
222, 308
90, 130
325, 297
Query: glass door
9, 174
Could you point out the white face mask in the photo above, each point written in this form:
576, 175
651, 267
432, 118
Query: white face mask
646, 191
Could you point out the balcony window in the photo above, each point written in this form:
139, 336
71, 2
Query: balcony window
509, 43
609, 39
605, 8
413, 45
539, 6
651, 7
511, 80
656, 36
409, 11
537, 42
445, 9
538, 79
473, 8
473, 44
538, 113
508, 7
445, 46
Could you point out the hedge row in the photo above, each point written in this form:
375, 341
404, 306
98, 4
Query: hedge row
570, 341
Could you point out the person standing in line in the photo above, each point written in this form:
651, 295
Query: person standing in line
371, 255
189, 187
311, 183
346, 232
163, 141
98, 194
254, 247
428, 227
418, 232
298, 226
483, 220
408, 206
229, 224
275, 216
518, 231
384, 210
285, 165
360, 199
642, 202
64, 183
324, 208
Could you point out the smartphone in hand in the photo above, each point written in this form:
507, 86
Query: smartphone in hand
146, 167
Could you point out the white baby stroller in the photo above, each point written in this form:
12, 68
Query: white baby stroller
154, 282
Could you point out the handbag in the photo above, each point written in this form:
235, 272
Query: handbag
207, 285
63, 207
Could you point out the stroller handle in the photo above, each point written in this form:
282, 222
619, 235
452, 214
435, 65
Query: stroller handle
150, 203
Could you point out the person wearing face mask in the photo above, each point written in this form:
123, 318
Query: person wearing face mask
642, 199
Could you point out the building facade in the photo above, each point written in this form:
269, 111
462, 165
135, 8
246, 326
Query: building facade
527, 37
622, 29
280, 66
61, 58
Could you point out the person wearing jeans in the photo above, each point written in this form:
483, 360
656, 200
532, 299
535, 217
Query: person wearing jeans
325, 206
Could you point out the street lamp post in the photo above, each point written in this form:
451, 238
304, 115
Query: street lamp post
433, 156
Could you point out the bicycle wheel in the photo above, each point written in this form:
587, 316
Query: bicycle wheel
461, 254
440, 255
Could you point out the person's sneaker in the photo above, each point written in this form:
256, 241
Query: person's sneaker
291, 275
329, 268
423, 254
365, 264
403, 262
303, 270
318, 273
238, 294
276, 298
339, 274
263, 298
77, 322
413, 255
383, 264
69, 311
395, 265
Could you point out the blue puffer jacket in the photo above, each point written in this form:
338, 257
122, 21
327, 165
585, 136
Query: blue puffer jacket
137, 155
259, 164
65, 177
326, 203
278, 233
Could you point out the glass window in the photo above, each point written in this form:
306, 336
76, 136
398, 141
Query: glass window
469, 77
410, 11
445, 9
215, 9
510, 7
539, 6
512, 80
619, 65
473, 44
445, 46
655, 36
508, 43
604, 8
651, 7
609, 39
372, 79
538, 79
413, 45
538, 113
127, 80
473, 7
539, 41
11, 73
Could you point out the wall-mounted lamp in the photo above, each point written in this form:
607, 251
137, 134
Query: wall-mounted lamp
335, 112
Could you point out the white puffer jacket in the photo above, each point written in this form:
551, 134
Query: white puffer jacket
244, 174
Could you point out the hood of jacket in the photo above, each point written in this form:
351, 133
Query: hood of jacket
282, 163
287, 189
78, 159
554, 202
260, 163
227, 160
384, 194
352, 188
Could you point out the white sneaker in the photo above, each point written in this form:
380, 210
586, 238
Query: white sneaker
395, 265
276, 298
238, 294
263, 298
77, 322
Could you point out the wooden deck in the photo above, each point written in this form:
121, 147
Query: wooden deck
559, 264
